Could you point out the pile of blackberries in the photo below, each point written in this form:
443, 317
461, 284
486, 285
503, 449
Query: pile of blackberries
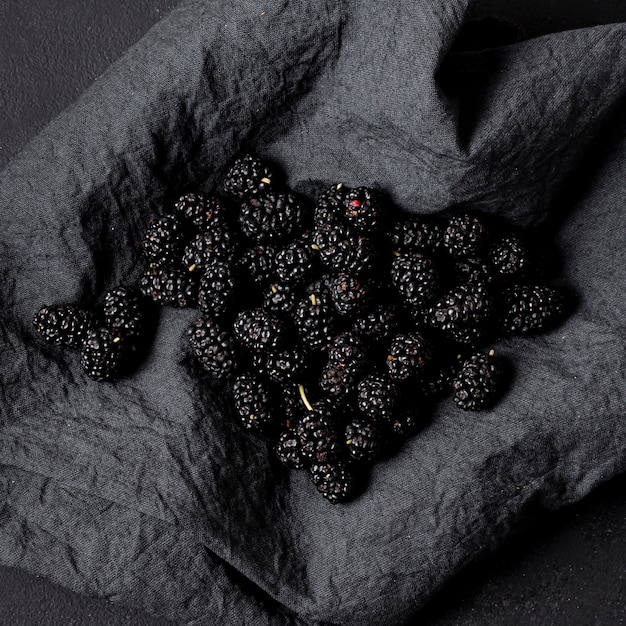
334, 325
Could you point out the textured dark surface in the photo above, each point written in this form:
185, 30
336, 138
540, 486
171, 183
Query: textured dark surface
569, 572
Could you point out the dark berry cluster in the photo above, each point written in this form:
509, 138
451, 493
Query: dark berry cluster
333, 325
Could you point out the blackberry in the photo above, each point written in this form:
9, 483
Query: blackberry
378, 323
342, 250
102, 354
123, 312
510, 258
478, 383
280, 298
271, 217
214, 243
315, 319
295, 263
408, 357
463, 313
291, 404
529, 309
339, 379
415, 234
347, 347
349, 294
253, 402
415, 277
437, 383
318, 435
163, 240
289, 451
169, 287
258, 264
473, 271
377, 397
248, 176
330, 205
464, 235
364, 209
404, 424
363, 439
284, 366
259, 330
335, 481
217, 288
63, 325
213, 347
199, 211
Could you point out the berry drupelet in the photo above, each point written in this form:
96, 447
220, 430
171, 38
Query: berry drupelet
364, 440
213, 347
478, 383
124, 312
164, 240
408, 357
247, 177
270, 217
253, 402
169, 287
259, 331
63, 325
102, 354
464, 235
335, 481
349, 294
415, 277
531, 309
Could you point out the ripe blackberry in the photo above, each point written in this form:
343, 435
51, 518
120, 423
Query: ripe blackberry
102, 354
292, 407
329, 207
347, 347
408, 356
283, 366
404, 424
415, 234
478, 383
364, 440
315, 319
510, 258
343, 250
529, 309
464, 236
295, 263
464, 313
416, 279
248, 176
473, 271
213, 347
169, 287
438, 382
270, 217
318, 435
377, 324
214, 243
163, 240
335, 481
289, 451
377, 397
258, 264
349, 294
123, 312
63, 325
339, 379
364, 209
259, 330
253, 402
198, 210
217, 288
280, 298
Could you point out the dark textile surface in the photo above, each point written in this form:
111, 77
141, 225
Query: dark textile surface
145, 490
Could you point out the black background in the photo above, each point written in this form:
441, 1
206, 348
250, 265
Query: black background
567, 569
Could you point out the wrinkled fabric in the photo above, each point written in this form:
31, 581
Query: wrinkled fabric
146, 491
